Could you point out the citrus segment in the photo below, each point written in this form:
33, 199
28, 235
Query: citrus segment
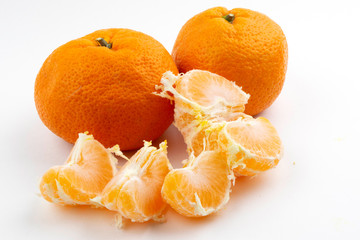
89, 167
135, 191
205, 93
208, 89
257, 143
201, 187
252, 145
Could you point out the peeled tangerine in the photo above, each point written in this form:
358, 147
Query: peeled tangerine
209, 114
87, 170
201, 187
135, 191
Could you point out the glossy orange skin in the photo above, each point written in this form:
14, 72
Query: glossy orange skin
86, 87
251, 51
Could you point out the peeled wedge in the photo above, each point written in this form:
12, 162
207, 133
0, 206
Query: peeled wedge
86, 172
135, 191
252, 145
201, 187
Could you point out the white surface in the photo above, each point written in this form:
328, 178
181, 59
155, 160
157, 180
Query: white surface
314, 192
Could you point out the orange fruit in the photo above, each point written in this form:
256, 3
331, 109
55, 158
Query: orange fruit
103, 83
135, 191
211, 118
87, 170
201, 187
241, 45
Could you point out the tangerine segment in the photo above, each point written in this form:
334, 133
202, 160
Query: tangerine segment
202, 93
208, 89
205, 137
200, 188
135, 191
252, 145
48, 186
89, 167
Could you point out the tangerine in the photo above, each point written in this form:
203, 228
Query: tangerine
103, 83
241, 45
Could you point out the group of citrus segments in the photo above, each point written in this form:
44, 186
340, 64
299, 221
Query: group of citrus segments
222, 141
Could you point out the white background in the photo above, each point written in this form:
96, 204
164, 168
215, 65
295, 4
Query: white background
314, 192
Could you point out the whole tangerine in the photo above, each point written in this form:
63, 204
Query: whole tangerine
241, 45
103, 83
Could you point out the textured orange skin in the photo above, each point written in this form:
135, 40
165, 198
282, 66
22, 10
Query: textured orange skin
252, 51
108, 92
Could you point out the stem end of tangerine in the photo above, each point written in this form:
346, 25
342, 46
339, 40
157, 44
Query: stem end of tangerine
103, 43
230, 17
